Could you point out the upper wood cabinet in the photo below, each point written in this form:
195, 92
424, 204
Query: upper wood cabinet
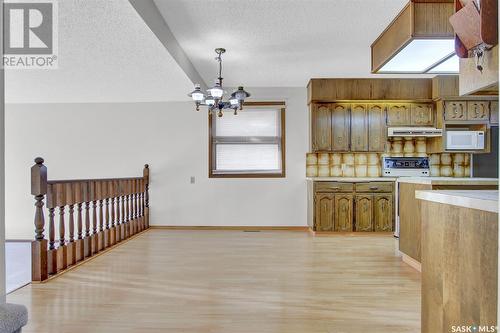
478, 110
494, 112
455, 110
340, 127
398, 114
321, 119
343, 212
422, 114
377, 130
359, 127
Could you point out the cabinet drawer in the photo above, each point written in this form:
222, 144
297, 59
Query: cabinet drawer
455, 110
374, 187
478, 110
333, 187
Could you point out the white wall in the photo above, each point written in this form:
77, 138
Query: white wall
116, 140
2, 164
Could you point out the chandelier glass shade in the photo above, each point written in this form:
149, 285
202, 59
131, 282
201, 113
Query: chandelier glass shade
213, 99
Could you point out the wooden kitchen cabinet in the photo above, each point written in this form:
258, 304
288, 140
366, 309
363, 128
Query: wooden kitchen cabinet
494, 112
359, 127
377, 129
455, 110
364, 212
478, 110
382, 212
422, 114
324, 211
398, 114
343, 212
321, 119
347, 207
340, 120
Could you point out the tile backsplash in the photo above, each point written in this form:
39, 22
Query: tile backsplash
370, 164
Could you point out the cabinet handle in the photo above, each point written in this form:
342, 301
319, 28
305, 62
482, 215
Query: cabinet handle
334, 188
373, 188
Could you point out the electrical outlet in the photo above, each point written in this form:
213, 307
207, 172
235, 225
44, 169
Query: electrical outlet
193, 179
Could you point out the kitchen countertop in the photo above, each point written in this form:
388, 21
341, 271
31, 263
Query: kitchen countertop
486, 200
448, 181
352, 179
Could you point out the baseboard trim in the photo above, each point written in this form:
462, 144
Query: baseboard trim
411, 262
232, 228
351, 233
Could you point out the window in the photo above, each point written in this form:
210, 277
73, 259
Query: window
250, 144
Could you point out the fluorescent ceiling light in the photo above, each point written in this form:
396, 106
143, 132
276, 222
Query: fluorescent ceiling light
449, 66
421, 56
417, 41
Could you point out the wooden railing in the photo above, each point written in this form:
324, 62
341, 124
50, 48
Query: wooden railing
104, 212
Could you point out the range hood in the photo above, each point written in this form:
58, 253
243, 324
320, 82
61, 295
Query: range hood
414, 131
420, 40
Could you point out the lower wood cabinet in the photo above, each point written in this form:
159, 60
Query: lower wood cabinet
364, 212
343, 212
324, 204
347, 207
333, 212
382, 212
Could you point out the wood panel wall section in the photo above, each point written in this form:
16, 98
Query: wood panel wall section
337, 90
459, 267
410, 218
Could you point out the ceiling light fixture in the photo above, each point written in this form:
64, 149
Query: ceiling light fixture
419, 40
214, 98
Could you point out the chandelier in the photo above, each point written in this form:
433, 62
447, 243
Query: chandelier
214, 98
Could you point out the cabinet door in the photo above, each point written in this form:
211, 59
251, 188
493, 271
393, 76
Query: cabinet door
343, 212
377, 130
398, 114
455, 110
494, 112
324, 211
383, 212
364, 212
359, 127
321, 127
340, 127
478, 110
421, 114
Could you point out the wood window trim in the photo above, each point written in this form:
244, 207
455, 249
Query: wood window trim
281, 174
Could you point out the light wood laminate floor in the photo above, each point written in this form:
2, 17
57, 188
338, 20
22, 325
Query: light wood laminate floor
231, 282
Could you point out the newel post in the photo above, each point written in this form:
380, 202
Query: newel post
39, 245
146, 193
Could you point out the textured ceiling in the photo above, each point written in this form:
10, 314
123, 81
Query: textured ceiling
106, 54
279, 42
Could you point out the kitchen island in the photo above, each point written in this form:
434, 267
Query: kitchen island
459, 259
409, 208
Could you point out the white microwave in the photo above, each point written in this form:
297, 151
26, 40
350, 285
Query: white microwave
464, 140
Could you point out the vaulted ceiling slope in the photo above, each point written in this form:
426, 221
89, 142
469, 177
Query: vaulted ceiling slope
106, 54
279, 42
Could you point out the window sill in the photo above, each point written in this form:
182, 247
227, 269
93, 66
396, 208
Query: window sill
247, 175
